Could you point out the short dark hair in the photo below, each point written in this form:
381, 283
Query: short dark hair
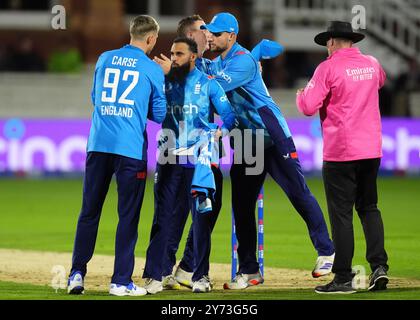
185, 24
192, 45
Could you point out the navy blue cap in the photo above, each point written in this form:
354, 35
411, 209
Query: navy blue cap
222, 22
267, 49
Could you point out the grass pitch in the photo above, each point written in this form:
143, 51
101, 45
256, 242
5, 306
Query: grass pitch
42, 215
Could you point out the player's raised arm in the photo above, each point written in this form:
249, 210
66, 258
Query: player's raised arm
164, 62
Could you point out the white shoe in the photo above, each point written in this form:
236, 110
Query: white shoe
169, 283
183, 277
323, 266
75, 284
153, 286
129, 290
243, 280
202, 285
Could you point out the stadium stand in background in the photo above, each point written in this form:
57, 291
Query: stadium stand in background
46, 74
29, 44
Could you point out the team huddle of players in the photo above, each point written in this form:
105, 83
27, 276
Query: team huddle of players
232, 87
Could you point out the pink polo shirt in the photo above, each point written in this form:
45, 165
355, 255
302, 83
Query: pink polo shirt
344, 89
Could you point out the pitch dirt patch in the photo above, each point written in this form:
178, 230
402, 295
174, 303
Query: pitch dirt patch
49, 268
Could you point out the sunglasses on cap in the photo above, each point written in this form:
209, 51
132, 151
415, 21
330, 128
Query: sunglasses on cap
217, 34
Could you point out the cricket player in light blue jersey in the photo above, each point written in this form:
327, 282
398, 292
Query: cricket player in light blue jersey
189, 94
237, 71
128, 88
190, 27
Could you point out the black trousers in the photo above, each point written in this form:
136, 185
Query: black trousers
348, 184
170, 179
182, 211
130, 176
287, 173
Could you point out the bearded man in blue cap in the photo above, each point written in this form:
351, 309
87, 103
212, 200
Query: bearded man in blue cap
237, 71
266, 49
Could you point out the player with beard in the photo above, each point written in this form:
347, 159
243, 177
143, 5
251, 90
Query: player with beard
189, 95
178, 73
188, 27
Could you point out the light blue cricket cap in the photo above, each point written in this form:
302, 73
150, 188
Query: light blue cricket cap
267, 49
222, 22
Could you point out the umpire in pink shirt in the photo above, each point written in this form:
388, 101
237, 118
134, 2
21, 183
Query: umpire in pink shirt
344, 89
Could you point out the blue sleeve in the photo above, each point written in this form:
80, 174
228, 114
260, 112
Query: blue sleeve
157, 104
222, 105
237, 72
99, 64
92, 93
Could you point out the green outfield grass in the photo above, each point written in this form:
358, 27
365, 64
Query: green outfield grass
42, 215
14, 291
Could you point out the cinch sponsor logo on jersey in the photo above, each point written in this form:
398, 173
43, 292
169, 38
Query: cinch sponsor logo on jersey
124, 62
224, 76
185, 109
124, 112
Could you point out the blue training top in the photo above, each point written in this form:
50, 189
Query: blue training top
128, 88
189, 108
239, 75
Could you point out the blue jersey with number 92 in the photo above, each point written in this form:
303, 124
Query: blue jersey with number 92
128, 88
